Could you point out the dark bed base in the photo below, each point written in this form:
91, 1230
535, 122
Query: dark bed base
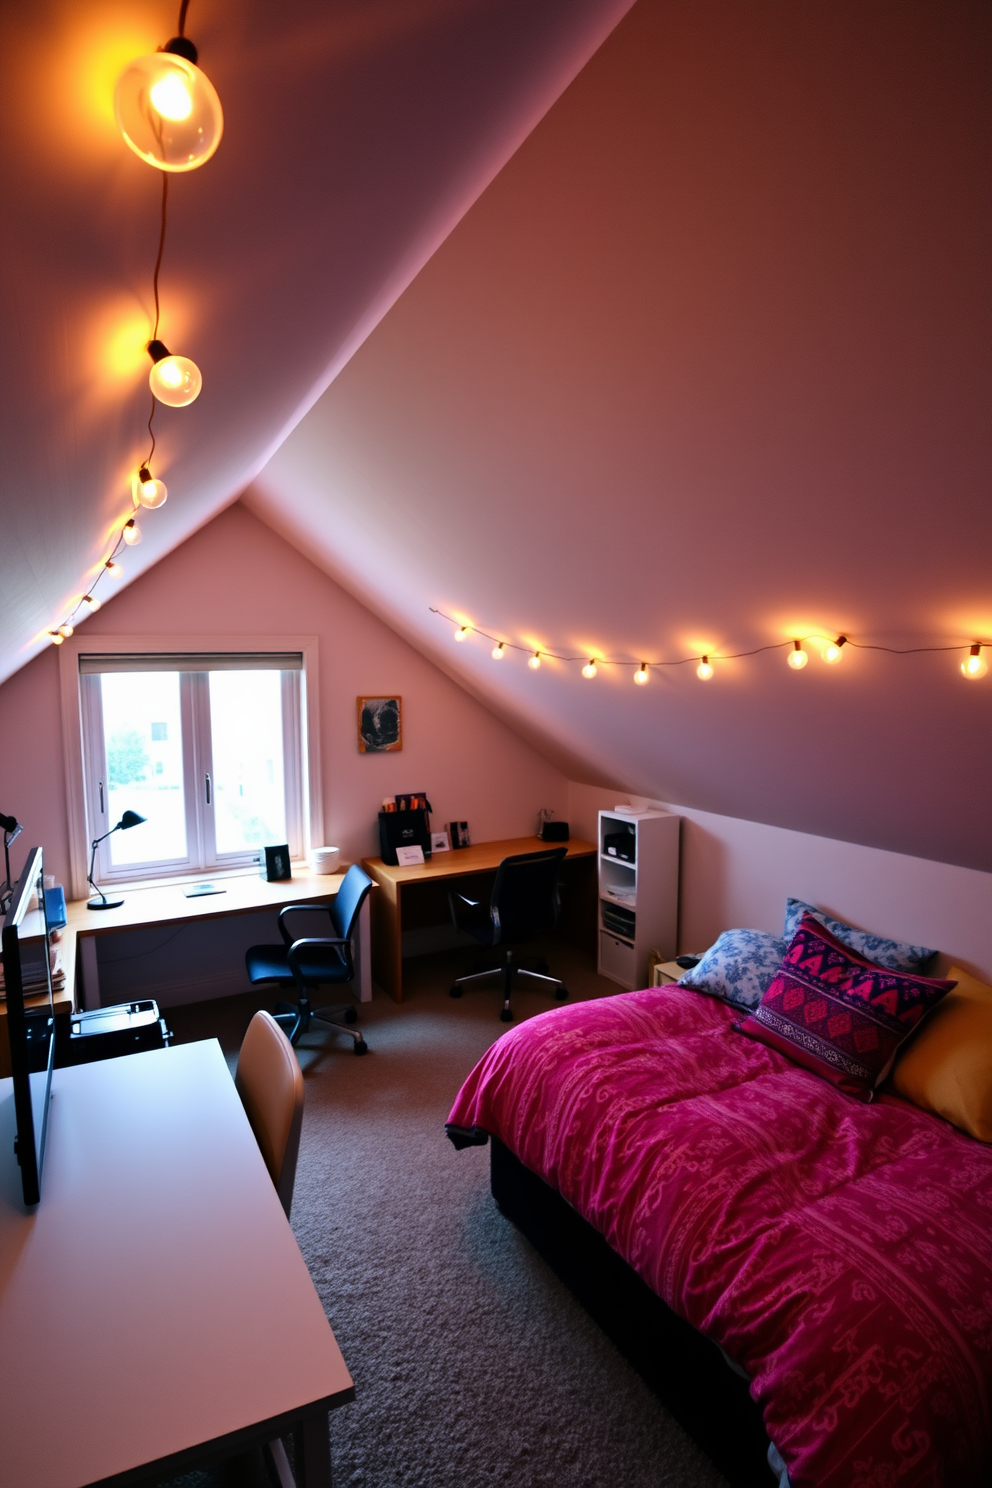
685, 1370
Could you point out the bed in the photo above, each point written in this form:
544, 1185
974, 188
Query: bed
838, 1253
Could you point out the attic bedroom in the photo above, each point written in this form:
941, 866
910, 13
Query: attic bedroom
495, 578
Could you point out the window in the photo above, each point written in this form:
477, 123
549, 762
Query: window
208, 749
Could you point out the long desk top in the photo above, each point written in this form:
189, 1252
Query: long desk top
157, 1284
166, 904
481, 857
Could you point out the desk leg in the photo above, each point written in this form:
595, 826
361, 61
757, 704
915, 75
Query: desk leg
364, 956
312, 1450
88, 996
387, 946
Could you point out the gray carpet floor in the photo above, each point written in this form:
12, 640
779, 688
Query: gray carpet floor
473, 1365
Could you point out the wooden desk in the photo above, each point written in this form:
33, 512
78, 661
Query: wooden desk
158, 1280
398, 885
166, 904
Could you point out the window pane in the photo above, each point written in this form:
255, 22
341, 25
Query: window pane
142, 731
246, 731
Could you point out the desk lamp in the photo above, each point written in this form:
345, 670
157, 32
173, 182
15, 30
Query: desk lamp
11, 829
129, 819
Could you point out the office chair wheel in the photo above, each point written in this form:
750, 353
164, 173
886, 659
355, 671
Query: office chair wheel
561, 994
361, 1047
455, 992
350, 1016
506, 1015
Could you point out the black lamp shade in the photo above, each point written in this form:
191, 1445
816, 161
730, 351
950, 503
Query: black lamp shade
130, 819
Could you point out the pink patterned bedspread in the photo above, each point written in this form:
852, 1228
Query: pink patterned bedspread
840, 1253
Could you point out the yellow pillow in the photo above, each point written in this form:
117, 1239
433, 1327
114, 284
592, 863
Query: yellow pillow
947, 1067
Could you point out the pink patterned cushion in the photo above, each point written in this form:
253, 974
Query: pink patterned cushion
838, 1014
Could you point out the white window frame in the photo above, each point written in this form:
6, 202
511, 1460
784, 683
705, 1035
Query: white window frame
301, 744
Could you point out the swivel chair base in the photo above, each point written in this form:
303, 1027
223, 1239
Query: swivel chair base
295, 1019
510, 967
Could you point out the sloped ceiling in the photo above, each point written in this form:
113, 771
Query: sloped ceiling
706, 366
356, 133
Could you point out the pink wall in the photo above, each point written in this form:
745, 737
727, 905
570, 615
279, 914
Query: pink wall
230, 578
739, 873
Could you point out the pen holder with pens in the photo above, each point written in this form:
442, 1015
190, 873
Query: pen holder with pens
405, 828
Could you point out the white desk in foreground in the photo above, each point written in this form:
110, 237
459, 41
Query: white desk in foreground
155, 1308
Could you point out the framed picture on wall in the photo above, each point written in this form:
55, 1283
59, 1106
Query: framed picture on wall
380, 724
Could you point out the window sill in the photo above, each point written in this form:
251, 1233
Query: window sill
205, 875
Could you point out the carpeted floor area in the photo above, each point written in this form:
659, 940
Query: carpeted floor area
473, 1365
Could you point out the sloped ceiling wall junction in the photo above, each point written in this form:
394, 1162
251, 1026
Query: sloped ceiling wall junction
356, 133
706, 366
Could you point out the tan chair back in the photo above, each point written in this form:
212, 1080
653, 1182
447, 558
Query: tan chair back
270, 1083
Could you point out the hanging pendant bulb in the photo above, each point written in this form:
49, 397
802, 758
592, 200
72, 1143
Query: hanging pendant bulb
55, 637
499, 651
113, 568
704, 671
132, 533
167, 109
462, 633
589, 670
92, 601
641, 675
146, 490
974, 664
833, 653
65, 631
535, 661
797, 657
174, 380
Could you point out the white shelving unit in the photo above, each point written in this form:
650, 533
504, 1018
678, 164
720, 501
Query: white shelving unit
638, 892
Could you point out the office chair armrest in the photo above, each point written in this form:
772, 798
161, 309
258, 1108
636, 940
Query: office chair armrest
323, 941
472, 903
295, 908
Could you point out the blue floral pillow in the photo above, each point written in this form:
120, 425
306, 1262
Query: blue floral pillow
889, 953
739, 967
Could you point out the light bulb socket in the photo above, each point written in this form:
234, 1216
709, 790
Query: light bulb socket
975, 650
157, 350
181, 46
840, 641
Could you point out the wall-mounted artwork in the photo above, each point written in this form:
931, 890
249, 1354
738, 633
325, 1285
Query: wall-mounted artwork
380, 724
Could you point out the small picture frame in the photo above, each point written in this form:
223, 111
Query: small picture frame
459, 834
439, 842
380, 724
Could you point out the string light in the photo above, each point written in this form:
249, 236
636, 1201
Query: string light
65, 631
92, 602
462, 633
146, 490
113, 568
131, 533
974, 664
57, 637
167, 109
174, 380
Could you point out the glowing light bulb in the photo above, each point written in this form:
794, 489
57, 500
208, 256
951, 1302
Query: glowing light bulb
974, 664
797, 657
499, 651
171, 97
174, 380
589, 670
113, 568
833, 652
57, 637
92, 601
704, 671
462, 633
641, 675
168, 110
65, 631
146, 490
132, 533
535, 661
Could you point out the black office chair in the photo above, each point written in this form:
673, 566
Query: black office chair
314, 961
524, 902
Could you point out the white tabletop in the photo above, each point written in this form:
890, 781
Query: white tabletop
156, 1298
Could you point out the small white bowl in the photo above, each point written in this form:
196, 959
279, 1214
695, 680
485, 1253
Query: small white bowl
325, 859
